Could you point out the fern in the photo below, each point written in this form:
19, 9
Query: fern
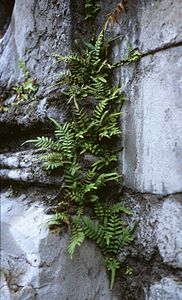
112, 265
60, 218
95, 109
76, 240
97, 52
65, 138
44, 143
94, 231
52, 160
91, 8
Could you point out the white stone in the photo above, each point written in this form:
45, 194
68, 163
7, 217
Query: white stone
35, 262
153, 125
166, 289
160, 24
169, 232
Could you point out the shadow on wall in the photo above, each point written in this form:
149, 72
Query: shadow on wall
6, 9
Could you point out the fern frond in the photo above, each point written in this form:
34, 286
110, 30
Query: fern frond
64, 77
93, 231
102, 179
58, 219
52, 160
99, 211
99, 111
76, 240
72, 176
104, 161
112, 264
97, 53
65, 137
117, 207
45, 143
82, 123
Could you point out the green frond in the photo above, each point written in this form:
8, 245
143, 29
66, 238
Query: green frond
104, 161
65, 138
102, 179
45, 143
100, 111
59, 219
72, 176
93, 231
96, 54
52, 160
99, 211
77, 238
64, 77
118, 207
112, 264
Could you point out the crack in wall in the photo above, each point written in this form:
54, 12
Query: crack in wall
163, 48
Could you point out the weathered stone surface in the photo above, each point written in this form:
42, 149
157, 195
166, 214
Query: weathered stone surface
146, 210
35, 263
37, 31
26, 167
159, 228
167, 289
152, 126
160, 24
169, 231
149, 25
33, 113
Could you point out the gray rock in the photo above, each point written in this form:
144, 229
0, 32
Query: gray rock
169, 231
35, 261
160, 24
152, 124
35, 264
146, 209
25, 166
37, 31
166, 289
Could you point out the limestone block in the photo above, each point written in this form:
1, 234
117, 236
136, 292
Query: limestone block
169, 232
152, 124
160, 24
33, 114
37, 31
167, 289
25, 166
146, 209
35, 263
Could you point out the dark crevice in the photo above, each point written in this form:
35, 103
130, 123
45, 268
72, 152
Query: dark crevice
144, 272
6, 10
158, 196
34, 191
163, 48
13, 136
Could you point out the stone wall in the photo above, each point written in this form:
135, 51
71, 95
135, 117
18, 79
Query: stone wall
34, 261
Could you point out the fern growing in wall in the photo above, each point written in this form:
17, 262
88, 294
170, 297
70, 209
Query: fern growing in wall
86, 150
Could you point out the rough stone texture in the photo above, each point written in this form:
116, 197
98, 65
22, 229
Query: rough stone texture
35, 263
152, 122
159, 228
153, 125
169, 232
37, 31
167, 289
160, 24
25, 166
